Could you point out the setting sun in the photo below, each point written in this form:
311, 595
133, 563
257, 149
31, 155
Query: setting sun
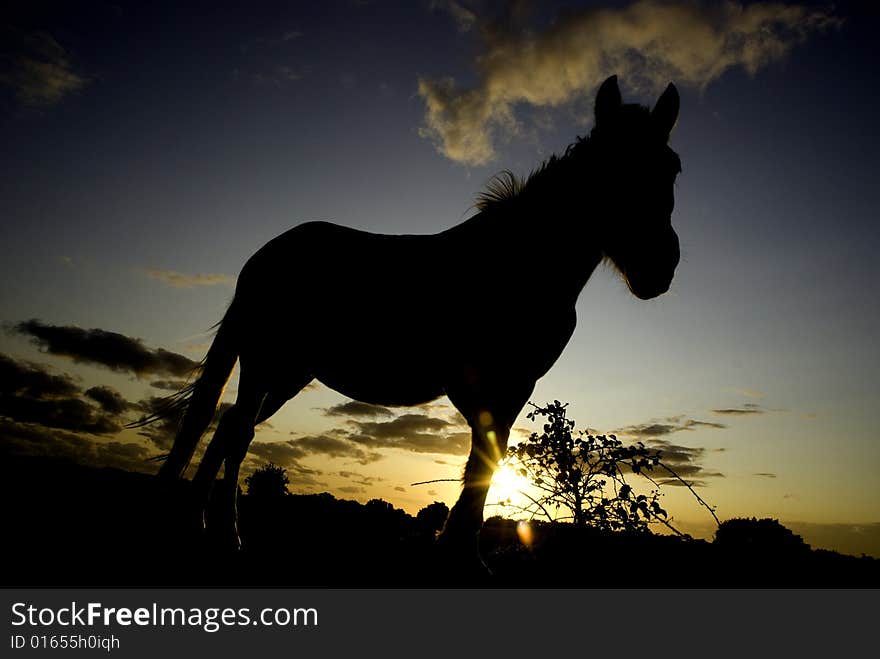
507, 486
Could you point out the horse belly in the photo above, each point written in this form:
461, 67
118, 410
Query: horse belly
383, 382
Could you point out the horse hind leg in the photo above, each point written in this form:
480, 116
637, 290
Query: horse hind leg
236, 428
230, 447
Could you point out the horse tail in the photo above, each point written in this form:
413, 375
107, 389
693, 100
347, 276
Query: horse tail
199, 400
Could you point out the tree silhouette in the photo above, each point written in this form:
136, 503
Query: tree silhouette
268, 482
433, 516
585, 475
766, 535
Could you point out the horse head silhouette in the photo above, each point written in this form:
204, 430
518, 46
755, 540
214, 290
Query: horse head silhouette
639, 169
402, 320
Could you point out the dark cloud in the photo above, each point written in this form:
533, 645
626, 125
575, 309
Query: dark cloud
360, 479
648, 430
44, 414
399, 489
412, 432
29, 393
110, 400
452, 443
18, 378
748, 408
36, 440
335, 447
685, 461
64, 413
666, 427
356, 408
109, 349
691, 424
301, 447
764, 474
402, 427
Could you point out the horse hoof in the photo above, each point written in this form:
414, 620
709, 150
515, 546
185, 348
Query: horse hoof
459, 559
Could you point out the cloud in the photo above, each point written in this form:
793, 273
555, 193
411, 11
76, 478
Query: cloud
110, 400
37, 69
181, 280
413, 432
33, 380
648, 43
64, 413
360, 479
748, 408
356, 408
764, 474
351, 489
667, 427
685, 461
35, 440
109, 349
29, 393
402, 427
308, 445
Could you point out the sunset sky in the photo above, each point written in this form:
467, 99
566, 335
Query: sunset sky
149, 150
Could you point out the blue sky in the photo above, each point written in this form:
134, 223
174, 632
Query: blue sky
154, 140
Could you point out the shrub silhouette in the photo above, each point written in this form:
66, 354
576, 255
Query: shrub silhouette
269, 482
585, 475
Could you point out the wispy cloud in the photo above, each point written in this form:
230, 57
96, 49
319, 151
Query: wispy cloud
647, 43
37, 68
182, 280
266, 60
744, 410
666, 426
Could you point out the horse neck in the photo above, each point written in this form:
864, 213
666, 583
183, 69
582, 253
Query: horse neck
558, 224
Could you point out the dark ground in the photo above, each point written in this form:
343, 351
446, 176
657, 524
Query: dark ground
73, 526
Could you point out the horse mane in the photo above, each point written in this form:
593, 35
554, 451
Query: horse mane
505, 186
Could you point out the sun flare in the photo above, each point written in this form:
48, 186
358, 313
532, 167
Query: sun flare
507, 483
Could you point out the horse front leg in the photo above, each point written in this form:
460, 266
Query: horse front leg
488, 446
490, 412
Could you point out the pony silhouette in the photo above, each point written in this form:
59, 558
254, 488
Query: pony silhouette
400, 320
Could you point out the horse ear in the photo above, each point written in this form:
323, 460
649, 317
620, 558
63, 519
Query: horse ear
666, 111
607, 100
